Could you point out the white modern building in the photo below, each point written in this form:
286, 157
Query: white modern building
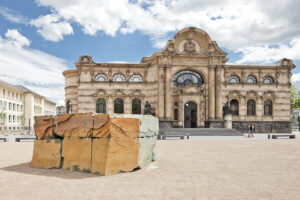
19, 106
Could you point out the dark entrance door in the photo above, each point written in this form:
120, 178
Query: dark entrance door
190, 115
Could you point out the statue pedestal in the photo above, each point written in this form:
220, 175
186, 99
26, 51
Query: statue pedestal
228, 121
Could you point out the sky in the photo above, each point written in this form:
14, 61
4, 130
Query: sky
39, 39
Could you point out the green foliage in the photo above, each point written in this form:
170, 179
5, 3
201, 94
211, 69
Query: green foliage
295, 98
2, 116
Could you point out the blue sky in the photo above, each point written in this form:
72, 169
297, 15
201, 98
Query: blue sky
40, 39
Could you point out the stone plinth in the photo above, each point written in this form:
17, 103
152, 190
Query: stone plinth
228, 121
97, 143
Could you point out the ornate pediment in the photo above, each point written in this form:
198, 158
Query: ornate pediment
136, 93
85, 59
118, 93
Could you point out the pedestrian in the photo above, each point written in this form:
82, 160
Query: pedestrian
253, 129
249, 130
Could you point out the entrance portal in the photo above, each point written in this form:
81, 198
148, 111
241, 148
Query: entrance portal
190, 115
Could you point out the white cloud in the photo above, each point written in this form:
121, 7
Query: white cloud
270, 54
296, 81
16, 39
12, 16
51, 27
32, 68
234, 24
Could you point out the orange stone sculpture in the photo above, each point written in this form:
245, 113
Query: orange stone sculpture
97, 143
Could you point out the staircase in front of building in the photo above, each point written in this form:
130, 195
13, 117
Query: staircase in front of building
202, 131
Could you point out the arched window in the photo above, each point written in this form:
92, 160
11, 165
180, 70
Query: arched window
268, 80
268, 107
233, 79
136, 106
69, 107
234, 106
101, 78
136, 78
101, 105
187, 77
119, 78
250, 79
118, 106
251, 107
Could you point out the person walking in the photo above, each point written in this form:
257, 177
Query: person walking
253, 130
249, 130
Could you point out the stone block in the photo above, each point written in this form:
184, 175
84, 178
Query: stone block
146, 151
46, 154
149, 125
76, 125
77, 153
43, 127
113, 155
118, 127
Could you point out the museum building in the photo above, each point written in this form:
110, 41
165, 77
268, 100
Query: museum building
186, 83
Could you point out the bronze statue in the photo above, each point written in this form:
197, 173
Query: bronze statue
147, 109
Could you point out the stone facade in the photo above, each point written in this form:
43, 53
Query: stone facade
187, 82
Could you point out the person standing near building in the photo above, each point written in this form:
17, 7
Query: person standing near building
253, 129
249, 130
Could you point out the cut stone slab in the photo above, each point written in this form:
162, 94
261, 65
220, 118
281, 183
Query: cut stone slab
146, 151
46, 154
77, 153
113, 155
77, 125
148, 124
43, 127
118, 127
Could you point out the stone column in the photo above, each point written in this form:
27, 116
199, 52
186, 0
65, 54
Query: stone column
160, 92
168, 101
211, 92
219, 107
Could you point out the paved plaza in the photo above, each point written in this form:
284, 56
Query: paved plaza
185, 169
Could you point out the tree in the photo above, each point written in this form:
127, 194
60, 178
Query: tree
2, 116
295, 98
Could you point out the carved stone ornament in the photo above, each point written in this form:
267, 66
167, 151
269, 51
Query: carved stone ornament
189, 47
85, 60
171, 48
211, 48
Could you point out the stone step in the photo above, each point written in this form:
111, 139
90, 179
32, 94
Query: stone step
202, 132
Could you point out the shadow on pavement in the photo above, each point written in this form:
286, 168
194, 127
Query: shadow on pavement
59, 173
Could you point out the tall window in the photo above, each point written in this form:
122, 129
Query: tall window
175, 114
118, 106
234, 106
251, 107
69, 107
187, 77
250, 79
136, 106
119, 78
136, 78
101, 105
233, 79
268, 80
101, 78
268, 107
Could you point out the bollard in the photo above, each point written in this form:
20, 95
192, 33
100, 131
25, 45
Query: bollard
187, 136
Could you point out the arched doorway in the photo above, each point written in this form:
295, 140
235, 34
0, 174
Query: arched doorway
190, 115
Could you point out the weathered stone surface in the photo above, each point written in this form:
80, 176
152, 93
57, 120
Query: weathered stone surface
43, 127
122, 155
148, 124
118, 127
77, 153
100, 143
46, 154
146, 150
76, 125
